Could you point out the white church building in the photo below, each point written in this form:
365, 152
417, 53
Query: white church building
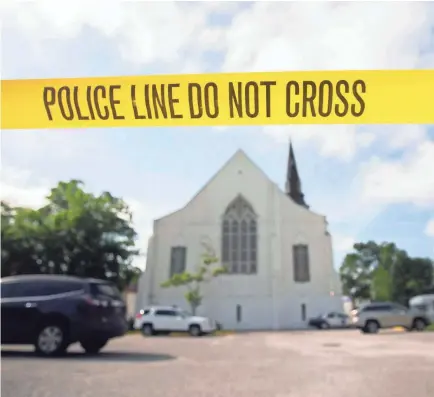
277, 251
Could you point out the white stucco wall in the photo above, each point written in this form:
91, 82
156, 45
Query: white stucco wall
270, 298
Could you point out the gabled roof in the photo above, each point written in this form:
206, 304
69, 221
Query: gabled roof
295, 195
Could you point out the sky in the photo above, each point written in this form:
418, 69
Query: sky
372, 182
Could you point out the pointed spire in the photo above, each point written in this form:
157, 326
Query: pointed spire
293, 182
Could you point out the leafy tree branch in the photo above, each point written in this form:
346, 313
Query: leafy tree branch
193, 281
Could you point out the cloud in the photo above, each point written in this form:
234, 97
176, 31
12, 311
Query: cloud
406, 180
250, 36
332, 141
32, 146
333, 36
19, 188
329, 35
342, 243
180, 37
173, 34
143, 219
429, 229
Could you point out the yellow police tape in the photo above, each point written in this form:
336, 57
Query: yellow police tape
233, 99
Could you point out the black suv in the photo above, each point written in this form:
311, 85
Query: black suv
52, 312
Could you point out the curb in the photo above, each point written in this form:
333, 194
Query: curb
398, 329
183, 334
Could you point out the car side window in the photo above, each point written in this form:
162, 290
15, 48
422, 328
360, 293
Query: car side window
8, 290
399, 307
61, 287
33, 289
331, 315
373, 308
381, 308
162, 312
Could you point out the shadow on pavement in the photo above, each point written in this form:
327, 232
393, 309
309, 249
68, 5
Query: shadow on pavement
103, 356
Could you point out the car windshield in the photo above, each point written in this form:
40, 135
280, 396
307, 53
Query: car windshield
185, 313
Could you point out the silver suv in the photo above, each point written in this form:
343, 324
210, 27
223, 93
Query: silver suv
373, 316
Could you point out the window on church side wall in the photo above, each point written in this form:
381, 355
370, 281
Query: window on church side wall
301, 263
178, 258
239, 238
238, 313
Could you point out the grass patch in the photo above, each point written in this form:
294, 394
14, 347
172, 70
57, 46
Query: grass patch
430, 328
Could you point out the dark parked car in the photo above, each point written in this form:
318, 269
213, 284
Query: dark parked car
52, 312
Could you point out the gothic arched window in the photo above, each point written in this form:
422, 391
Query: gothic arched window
239, 238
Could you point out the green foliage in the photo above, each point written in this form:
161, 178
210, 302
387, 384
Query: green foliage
76, 233
384, 272
381, 284
192, 281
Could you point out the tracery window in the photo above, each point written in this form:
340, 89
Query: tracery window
239, 238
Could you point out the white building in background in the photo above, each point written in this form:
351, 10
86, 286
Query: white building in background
278, 252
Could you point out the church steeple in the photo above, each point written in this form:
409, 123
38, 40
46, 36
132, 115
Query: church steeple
293, 182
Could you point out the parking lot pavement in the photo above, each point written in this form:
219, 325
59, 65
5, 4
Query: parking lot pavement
301, 364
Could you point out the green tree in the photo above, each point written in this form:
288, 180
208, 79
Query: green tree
367, 273
382, 285
129, 275
75, 233
355, 277
193, 281
384, 272
412, 276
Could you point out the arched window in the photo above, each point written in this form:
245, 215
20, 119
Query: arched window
239, 238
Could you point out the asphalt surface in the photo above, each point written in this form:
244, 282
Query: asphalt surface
301, 364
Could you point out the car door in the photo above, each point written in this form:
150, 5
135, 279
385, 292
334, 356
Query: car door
8, 318
401, 316
165, 320
385, 315
344, 320
181, 321
21, 312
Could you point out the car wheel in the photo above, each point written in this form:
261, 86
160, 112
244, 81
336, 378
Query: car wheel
194, 330
324, 325
51, 340
372, 327
148, 330
419, 324
93, 346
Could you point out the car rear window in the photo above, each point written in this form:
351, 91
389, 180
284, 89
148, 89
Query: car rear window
106, 290
377, 308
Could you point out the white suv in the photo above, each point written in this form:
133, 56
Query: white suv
165, 319
373, 316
